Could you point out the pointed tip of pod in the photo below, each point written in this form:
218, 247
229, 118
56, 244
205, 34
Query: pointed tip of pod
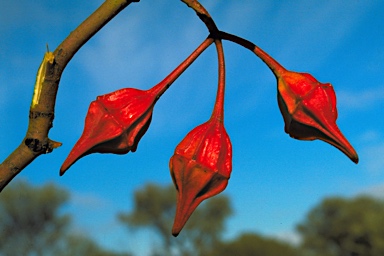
62, 171
176, 230
67, 163
355, 159
336, 138
186, 204
351, 154
76, 153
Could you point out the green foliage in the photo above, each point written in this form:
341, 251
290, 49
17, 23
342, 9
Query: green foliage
345, 227
31, 224
154, 207
79, 245
254, 245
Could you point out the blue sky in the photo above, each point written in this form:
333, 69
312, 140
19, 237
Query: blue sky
275, 180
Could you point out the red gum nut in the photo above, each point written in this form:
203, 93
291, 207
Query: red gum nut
115, 123
309, 110
200, 168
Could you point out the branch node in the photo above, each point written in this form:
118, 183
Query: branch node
36, 114
41, 147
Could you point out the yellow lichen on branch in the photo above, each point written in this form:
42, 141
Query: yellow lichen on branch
48, 59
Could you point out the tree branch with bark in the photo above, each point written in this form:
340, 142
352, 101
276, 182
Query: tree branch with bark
36, 141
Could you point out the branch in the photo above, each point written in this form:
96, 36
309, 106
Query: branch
41, 114
203, 15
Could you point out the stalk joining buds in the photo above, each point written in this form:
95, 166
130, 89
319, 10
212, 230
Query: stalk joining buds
202, 162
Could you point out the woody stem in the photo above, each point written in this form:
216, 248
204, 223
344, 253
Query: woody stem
203, 15
276, 67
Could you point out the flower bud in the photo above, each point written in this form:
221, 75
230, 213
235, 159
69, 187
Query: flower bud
308, 106
309, 110
115, 123
200, 168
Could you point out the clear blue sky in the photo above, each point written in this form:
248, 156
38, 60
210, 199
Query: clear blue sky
275, 180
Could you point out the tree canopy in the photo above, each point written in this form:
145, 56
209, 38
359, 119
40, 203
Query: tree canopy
250, 244
154, 207
32, 223
344, 227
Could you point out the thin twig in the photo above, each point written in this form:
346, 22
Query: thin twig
271, 63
